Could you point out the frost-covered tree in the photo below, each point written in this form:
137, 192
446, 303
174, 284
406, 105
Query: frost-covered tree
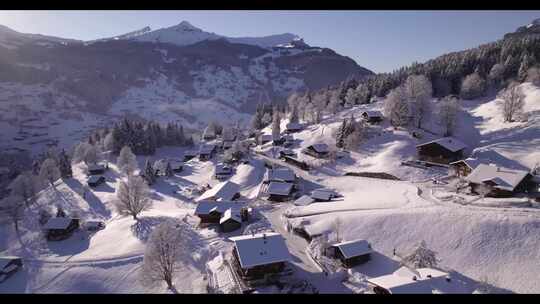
334, 104
276, 129
421, 257
419, 91
49, 172
108, 142
64, 164
266, 119
167, 245
496, 75
126, 162
13, 206
513, 101
447, 111
293, 117
396, 107
473, 86
23, 186
149, 173
338, 227
168, 170
257, 120
533, 75
132, 196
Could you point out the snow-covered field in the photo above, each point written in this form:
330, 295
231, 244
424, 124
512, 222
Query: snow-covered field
494, 239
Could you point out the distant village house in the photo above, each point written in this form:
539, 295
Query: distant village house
443, 150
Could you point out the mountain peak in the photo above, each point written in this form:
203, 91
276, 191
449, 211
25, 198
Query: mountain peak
186, 26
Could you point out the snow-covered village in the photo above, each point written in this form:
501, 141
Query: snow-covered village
177, 160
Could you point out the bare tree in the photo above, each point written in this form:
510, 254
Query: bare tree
334, 104
421, 257
127, 162
132, 196
13, 206
276, 128
49, 171
24, 187
513, 101
162, 257
419, 91
473, 86
447, 111
108, 142
337, 229
319, 102
396, 107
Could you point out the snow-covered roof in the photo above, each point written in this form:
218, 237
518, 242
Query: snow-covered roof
6, 259
471, 162
294, 126
205, 207
401, 281
231, 213
372, 114
260, 249
322, 194
224, 191
503, 178
93, 167
94, 178
281, 175
354, 248
448, 143
223, 169
279, 188
57, 223
320, 148
304, 200
206, 149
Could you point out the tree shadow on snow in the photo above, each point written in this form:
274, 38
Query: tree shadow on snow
76, 243
95, 204
144, 226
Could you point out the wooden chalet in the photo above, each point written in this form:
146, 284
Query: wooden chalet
60, 228
351, 253
95, 180
231, 220
210, 212
464, 167
443, 150
499, 181
293, 127
8, 266
283, 174
372, 117
409, 281
224, 191
279, 191
317, 150
160, 166
258, 256
222, 171
206, 152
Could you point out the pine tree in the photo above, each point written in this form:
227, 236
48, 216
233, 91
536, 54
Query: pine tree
168, 170
149, 173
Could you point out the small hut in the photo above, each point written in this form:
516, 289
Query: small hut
230, 220
372, 117
224, 191
352, 253
60, 228
501, 182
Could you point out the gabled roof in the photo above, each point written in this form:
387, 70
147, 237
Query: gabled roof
304, 200
320, 148
322, 194
503, 178
260, 249
58, 223
281, 175
205, 207
294, 126
279, 188
6, 259
401, 281
231, 214
448, 143
372, 114
471, 162
354, 248
224, 191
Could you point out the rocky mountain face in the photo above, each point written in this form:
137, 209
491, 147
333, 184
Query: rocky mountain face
530, 30
52, 90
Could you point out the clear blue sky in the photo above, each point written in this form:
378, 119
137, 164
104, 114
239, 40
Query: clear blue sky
378, 40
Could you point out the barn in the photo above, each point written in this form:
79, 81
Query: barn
351, 253
224, 191
279, 191
408, 281
464, 167
230, 220
8, 266
317, 150
443, 150
498, 181
372, 116
257, 256
60, 228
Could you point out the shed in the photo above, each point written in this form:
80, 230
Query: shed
372, 116
293, 127
317, 150
257, 255
8, 266
405, 280
224, 191
279, 191
443, 150
501, 182
464, 167
230, 220
304, 200
322, 195
60, 228
95, 180
352, 253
